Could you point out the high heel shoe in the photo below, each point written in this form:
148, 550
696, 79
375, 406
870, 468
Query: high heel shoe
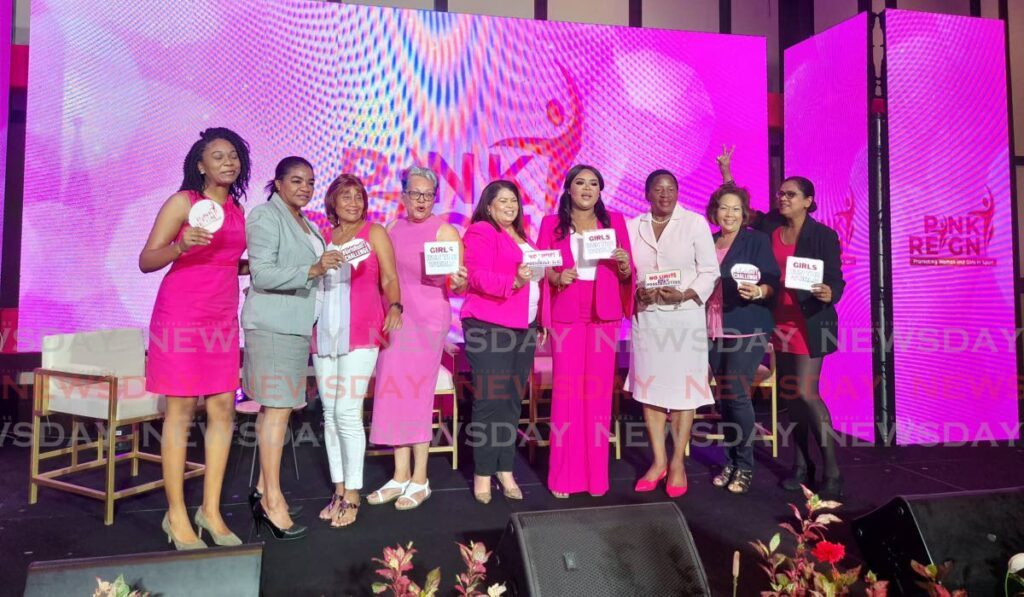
832, 488
228, 540
261, 517
256, 496
675, 491
802, 475
643, 485
179, 545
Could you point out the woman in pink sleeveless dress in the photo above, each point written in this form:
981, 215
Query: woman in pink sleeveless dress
193, 333
403, 398
351, 324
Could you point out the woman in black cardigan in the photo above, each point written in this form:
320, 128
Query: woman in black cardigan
739, 324
806, 329
806, 323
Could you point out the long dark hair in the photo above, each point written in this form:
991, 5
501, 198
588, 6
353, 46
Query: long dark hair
192, 180
565, 202
482, 212
283, 168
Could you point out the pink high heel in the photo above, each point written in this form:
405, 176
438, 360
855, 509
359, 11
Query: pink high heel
643, 485
675, 491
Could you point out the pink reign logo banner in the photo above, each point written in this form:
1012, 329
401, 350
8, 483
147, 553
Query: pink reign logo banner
826, 140
952, 229
119, 89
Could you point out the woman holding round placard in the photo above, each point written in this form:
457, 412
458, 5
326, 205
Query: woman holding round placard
740, 323
287, 257
351, 326
193, 332
408, 368
806, 322
583, 304
668, 371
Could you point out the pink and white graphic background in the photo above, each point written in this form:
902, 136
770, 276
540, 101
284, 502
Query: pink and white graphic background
826, 140
956, 363
119, 89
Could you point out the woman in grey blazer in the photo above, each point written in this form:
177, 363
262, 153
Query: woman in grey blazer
286, 258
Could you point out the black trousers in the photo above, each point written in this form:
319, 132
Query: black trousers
734, 363
501, 360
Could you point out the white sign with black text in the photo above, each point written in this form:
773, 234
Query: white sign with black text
441, 258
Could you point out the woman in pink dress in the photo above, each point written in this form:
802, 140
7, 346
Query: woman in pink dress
403, 398
193, 334
583, 304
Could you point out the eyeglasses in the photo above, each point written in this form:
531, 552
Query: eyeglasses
786, 194
417, 196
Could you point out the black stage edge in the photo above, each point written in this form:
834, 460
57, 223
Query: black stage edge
338, 562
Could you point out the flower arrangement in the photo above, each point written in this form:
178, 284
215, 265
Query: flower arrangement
397, 562
118, 588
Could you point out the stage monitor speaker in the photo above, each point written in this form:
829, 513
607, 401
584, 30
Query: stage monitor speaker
641, 549
978, 530
198, 573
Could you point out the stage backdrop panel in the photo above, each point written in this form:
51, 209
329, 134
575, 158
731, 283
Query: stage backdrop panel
952, 240
6, 14
118, 90
826, 140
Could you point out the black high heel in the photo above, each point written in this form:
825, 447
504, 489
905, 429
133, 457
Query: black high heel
256, 496
832, 488
260, 517
802, 475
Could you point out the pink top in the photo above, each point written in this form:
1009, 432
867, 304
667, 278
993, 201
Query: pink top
366, 300
492, 262
790, 327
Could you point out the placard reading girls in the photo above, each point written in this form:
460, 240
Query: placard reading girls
542, 258
206, 214
745, 273
355, 251
599, 244
441, 258
667, 279
803, 273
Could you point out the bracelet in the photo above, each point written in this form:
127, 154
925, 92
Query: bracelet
760, 294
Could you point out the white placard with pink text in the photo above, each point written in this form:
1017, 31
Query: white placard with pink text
599, 244
441, 258
803, 273
672, 278
542, 258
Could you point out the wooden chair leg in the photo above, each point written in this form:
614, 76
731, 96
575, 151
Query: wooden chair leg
135, 450
33, 488
108, 498
74, 442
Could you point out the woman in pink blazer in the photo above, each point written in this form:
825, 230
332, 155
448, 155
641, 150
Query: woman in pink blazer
499, 322
583, 304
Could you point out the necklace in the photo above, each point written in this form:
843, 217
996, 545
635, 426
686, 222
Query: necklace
657, 221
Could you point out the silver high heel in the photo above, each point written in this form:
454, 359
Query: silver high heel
179, 545
228, 540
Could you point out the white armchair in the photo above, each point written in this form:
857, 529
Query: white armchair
100, 376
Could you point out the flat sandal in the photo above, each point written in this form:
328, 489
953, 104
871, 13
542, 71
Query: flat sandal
741, 481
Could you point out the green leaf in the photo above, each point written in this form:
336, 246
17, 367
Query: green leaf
378, 588
774, 543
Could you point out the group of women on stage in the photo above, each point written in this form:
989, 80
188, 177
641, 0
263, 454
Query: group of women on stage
375, 313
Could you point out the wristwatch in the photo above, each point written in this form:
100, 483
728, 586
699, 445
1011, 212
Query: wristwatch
401, 309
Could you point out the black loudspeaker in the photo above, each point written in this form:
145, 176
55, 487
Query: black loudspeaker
214, 572
978, 530
641, 549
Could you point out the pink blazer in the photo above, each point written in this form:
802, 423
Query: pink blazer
613, 297
492, 259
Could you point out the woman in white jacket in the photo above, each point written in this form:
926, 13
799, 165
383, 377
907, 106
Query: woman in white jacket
669, 357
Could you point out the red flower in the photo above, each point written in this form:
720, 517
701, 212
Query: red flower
830, 553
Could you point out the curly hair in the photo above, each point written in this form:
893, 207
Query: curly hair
192, 180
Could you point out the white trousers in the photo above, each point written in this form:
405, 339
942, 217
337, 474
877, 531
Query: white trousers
343, 382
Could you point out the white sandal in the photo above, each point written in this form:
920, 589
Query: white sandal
377, 497
411, 490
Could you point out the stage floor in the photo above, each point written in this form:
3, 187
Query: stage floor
337, 562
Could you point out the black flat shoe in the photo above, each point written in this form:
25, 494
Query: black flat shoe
832, 488
260, 517
256, 496
802, 475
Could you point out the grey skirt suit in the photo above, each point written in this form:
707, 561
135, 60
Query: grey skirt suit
280, 307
